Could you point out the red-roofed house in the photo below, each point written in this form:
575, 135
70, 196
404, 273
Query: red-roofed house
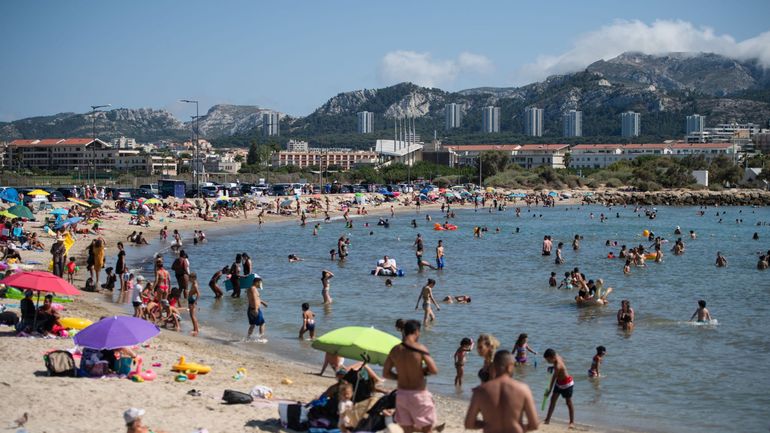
537, 155
708, 150
61, 154
595, 155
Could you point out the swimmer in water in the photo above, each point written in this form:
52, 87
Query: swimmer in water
552, 281
702, 313
462, 299
597, 361
721, 260
626, 315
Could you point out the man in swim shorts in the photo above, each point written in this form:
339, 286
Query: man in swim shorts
502, 401
562, 384
254, 312
440, 255
415, 410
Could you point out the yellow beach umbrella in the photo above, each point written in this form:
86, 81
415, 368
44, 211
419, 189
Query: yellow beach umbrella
7, 214
38, 192
153, 201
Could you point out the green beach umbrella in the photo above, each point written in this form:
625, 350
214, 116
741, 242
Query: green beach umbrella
21, 211
356, 342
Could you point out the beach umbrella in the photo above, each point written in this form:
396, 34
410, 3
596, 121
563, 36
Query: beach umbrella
80, 202
21, 211
153, 201
59, 211
95, 202
68, 221
449, 194
40, 281
287, 203
10, 195
552, 194
116, 332
7, 214
263, 199
357, 342
38, 192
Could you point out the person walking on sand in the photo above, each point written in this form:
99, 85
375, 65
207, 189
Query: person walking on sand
254, 312
214, 282
59, 256
502, 401
192, 301
308, 322
325, 277
99, 259
440, 255
561, 384
415, 410
426, 295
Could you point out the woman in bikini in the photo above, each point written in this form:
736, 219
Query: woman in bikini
520, 350
626, 316
426, 295
162, 280
192, 300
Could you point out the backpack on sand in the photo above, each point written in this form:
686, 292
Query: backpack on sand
236, 397
60, 363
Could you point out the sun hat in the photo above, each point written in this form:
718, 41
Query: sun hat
132, 414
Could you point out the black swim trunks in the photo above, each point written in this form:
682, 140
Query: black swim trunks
564, 392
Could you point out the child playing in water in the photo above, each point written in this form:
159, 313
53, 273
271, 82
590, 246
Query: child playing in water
308, 322
596, 362
466, 345
521, 348
566, 283
561, 384
702, 312
627, 267
552, 280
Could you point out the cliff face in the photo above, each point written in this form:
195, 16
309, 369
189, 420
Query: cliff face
224, 119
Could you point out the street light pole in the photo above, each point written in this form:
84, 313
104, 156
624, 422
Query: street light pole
93, 135
196, 150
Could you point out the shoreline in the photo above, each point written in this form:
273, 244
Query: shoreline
167, 404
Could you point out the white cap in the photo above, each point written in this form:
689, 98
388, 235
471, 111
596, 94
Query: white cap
140, 278
132, 415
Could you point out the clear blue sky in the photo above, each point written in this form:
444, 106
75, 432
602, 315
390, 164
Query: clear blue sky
292, 56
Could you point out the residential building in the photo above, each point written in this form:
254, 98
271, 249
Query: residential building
538, 155
345, 159
438, 154
573, 123
525, 155
221, 163
124, 143
453, 114
603, 155
271, 123
490, 120
135, 161
695, 124
365, 122
297, 146
61, 154
707, 150
595, 155
533, 121
630, 124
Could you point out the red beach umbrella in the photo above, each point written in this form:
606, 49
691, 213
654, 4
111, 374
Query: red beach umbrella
40, 281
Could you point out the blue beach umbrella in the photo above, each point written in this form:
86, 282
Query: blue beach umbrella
60, 211
552, 194
10, 195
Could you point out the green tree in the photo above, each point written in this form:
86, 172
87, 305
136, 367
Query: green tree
493, 162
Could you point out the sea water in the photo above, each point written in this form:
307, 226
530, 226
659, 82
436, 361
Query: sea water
667, 375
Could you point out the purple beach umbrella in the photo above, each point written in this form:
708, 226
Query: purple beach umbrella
115, 332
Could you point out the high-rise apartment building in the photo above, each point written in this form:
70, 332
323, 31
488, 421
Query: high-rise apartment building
271, 124
365, 122
533, 121
573, 123
630, 124
490, 119
453, 116
695, 124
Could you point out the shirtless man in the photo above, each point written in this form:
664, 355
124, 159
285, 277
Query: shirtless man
214, 282
702, 312
386, 265
502, 401
547, 245
426, 295
254, 312
440, 255
561, 384
415, 410
721, 260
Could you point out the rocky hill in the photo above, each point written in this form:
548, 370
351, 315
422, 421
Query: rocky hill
664, 89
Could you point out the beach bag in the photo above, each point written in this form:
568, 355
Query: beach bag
293, 416
236, 397
60, 363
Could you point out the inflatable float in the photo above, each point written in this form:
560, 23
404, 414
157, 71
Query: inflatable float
650, 256
140, 376
389, 273
78, 323
184, 366
245, 282
14, 293
439, 227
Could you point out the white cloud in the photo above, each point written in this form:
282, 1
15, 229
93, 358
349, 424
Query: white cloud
662, 36
422, 69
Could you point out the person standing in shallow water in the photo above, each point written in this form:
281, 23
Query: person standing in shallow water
562, 384
325, 277
235, 276
426, 295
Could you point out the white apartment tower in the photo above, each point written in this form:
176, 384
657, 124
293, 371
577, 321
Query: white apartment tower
629, 124
490, 120
271, 124
365, 122
533, 121
695, 124
453, 115
573, 123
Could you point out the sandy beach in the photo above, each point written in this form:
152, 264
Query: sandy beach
56, 404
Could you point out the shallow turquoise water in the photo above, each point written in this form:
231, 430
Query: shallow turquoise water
668, 375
